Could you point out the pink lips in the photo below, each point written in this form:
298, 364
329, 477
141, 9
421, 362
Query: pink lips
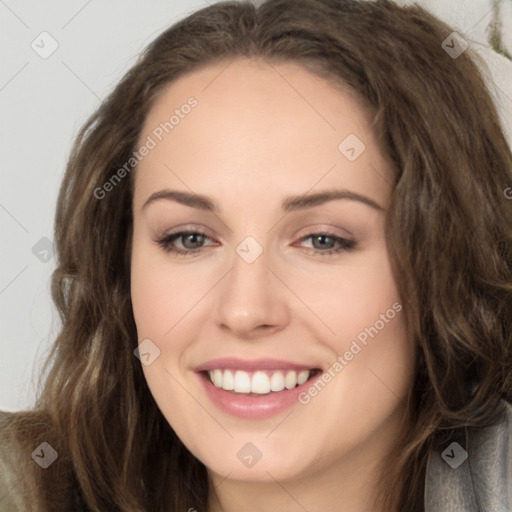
231, 363
245, 405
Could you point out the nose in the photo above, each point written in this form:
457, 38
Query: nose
251, 299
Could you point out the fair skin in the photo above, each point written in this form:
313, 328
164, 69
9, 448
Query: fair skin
259, 134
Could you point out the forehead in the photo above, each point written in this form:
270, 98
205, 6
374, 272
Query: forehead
260, 125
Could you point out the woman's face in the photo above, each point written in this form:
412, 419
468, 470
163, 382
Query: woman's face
258, 299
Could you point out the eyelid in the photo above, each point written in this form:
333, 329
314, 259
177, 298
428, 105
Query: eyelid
164, 240
188, 227
327, 230
308, 231
167, 241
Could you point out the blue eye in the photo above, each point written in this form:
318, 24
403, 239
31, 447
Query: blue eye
194, 240
344, 243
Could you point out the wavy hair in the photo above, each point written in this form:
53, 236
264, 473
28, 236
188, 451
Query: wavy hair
448, 229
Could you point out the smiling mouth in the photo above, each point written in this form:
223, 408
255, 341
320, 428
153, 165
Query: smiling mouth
259, 382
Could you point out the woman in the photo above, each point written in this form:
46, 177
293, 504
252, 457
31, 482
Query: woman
258, 368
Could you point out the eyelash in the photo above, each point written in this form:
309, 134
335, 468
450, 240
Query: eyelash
166, 243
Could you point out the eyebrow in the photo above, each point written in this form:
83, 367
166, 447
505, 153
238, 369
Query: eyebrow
290, 204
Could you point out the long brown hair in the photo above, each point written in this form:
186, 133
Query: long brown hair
449, 236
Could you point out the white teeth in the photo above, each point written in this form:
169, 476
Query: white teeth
260, 382
290, 381
228, 380
242, 382
277, 381
302, 376
217, 378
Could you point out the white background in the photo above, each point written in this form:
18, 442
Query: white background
43, 103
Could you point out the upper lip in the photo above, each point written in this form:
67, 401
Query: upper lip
231, 363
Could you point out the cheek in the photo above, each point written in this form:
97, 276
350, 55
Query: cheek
161, 298
162, 293
350, 296
152, 304
361, 307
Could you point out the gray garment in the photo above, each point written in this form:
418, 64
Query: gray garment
10, 498
482, 482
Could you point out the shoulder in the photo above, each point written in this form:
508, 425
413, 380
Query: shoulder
10, 496
26, 479
474, 473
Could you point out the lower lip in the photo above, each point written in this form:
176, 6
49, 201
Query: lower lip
252, 407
